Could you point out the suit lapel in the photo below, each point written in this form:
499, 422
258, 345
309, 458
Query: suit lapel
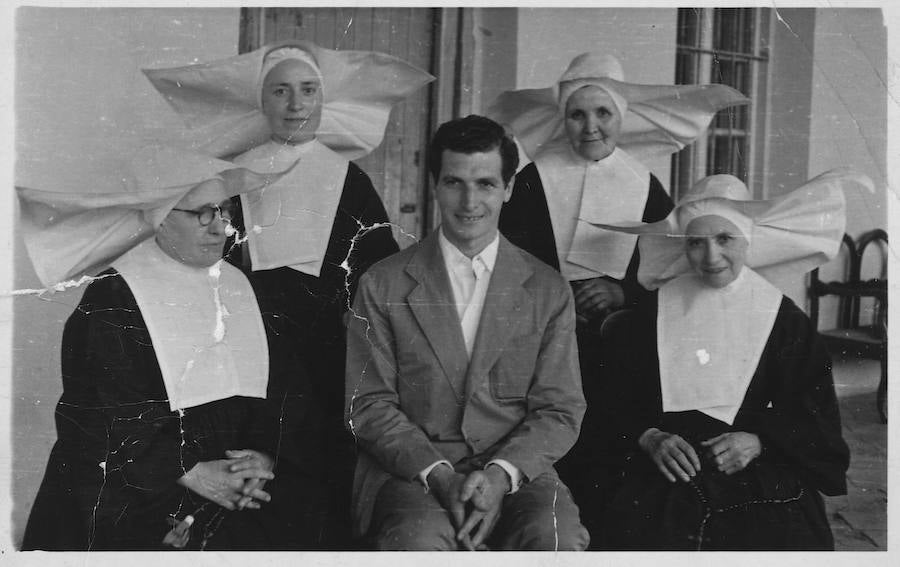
499, 317
432, 304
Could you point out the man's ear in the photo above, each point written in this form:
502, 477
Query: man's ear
509, 189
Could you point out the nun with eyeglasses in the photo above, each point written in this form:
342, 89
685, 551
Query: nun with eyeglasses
181, 410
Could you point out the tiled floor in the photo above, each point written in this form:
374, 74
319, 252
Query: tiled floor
859, 519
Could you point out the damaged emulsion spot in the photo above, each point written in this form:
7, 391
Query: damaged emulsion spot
361, 232
59, 286
215, 271
345, 265
347, 27
702, 356
555, 519
784, 23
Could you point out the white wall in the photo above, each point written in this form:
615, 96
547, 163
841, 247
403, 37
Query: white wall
848, 125
80, 99
827, 108
643, 39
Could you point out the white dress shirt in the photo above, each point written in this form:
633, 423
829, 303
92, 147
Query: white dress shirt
469, 281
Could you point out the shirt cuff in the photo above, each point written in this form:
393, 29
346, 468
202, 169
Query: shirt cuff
423, 476
515, 475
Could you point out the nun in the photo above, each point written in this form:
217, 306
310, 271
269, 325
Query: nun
177, 398
720, 403
589, 136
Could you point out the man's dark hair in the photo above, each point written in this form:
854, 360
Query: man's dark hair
470, 135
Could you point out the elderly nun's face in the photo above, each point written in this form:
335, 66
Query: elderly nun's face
182, 234
292, 101
716, 250
592, 123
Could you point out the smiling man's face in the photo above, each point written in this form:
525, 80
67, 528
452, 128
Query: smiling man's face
470, 193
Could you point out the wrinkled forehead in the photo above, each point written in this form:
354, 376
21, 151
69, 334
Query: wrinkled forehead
586, 89
590, 95
712, 225
209, 192
292, 71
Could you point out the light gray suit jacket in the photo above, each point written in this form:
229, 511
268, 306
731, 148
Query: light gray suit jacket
413, 396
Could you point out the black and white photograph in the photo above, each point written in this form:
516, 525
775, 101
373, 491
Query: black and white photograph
502, 277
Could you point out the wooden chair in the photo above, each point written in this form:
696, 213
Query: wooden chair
850, 338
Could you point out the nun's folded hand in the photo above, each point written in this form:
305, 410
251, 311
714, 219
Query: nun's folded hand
672, 455
215, 481
733, 451
595, 297
246, 459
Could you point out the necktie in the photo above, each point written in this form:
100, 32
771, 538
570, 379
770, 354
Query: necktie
474, 301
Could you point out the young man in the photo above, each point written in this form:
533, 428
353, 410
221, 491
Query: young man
463, 386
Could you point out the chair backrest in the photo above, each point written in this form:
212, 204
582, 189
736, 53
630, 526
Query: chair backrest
851, 291
818, 288
880, 316
877, 235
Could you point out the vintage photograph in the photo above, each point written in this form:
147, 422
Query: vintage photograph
449, 278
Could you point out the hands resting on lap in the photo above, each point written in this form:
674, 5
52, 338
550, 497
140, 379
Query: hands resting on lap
236, 482
733, 451
596, 297
676, 459
474, 501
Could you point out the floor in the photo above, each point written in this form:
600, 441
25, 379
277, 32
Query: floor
859, 519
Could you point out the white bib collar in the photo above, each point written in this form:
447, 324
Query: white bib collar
205, 325
710, 341
289, 222
612, 190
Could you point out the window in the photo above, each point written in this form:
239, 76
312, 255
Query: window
727, 46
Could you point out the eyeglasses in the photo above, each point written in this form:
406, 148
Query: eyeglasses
208, 213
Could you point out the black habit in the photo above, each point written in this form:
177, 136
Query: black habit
110, 482
773, 504
311, 311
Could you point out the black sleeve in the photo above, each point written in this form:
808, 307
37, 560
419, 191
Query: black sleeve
658, 207
802, 424
289, 424
525, 218
114, 425
627, 400
372, 239
659, 204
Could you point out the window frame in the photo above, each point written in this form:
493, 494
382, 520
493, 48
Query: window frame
693, 163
